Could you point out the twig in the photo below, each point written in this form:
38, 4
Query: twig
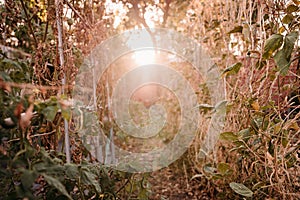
47, 25
143, 21
29, 23
78, 14
6, 49
166, 12
40, 87
32, 136
127, 181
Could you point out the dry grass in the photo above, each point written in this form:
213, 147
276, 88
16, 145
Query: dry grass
260, 100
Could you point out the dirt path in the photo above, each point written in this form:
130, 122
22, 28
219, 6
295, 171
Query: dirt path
174, 183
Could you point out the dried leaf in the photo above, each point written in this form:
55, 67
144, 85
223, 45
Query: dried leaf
294, 126
297, 2
197, 176
237, 29
18, 110
4, 86
292, 8
26, 117
288, 18
255, 105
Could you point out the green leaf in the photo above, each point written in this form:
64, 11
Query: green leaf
90, 179
71, 171
57, 184
292, 8
244, 134
272, 44
66, 113
5, 77
288, 18
281, 61
289, 43
233, 69
290, 160
241, 189
284, 139
223, 168
228, 136
282, 57
28, 177
50, 112
237, 29
12, 63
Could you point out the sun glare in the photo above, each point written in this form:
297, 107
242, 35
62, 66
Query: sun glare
144, 57
153, 14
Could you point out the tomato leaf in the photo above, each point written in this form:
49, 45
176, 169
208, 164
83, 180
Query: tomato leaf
289, 43
241, 189
28, 177
272, 44
228, 136
281, 61
50, 112
57, 184
223, 168
233, 69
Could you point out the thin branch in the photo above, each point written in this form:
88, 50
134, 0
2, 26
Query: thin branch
32, 136
137, 16
29, 23
7, 49
143, 21
127, 181
47, 24
33, 87
166, 12
78, 14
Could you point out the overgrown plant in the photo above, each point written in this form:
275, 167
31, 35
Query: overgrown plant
258, 155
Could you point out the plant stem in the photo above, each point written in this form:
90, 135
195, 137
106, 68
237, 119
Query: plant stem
62, 61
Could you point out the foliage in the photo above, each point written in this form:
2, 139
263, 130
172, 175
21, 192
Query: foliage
259, 146
256, 45
33, 164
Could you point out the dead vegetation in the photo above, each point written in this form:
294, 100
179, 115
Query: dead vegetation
256, 47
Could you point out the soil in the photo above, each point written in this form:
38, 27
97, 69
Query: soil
174, 183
